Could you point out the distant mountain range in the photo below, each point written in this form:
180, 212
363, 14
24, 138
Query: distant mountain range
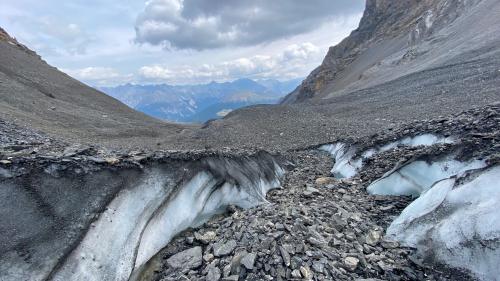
199, 103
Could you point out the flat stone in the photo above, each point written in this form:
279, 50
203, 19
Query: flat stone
213, 274
389, 244
318, 267
248, 261
322, 181
231, 278
285, 255
224, 249
386, 208
310, 190
185, 260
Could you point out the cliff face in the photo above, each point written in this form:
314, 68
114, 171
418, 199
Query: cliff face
387, 27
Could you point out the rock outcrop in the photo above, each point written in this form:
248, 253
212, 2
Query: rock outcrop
393, 35
5, 37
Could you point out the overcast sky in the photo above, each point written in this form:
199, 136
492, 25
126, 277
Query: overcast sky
110, 42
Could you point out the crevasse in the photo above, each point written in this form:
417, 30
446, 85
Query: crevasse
346, 166
414, 178
140, 221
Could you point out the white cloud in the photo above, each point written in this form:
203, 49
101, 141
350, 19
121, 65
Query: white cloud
300, 51
100, 76
266, 37
287, 64
155, 72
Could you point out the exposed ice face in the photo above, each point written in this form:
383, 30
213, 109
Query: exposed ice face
346, 166
425, 140
196, 202
108, 250
456, 222
417, 177
140, 221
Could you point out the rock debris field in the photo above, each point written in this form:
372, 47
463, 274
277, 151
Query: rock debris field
321, 228
315, 228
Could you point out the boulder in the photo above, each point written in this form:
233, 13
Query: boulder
186, 260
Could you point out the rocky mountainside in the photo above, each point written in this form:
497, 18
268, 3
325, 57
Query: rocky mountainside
199, 103
398, 38
37, 95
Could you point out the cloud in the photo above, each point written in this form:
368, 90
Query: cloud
68, 36
201, 24
287, 64
99, 76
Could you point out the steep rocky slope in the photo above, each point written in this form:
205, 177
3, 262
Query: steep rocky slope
36, 94
398, 38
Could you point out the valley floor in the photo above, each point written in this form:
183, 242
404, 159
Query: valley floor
314, 228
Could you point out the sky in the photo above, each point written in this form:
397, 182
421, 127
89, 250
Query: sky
113, 42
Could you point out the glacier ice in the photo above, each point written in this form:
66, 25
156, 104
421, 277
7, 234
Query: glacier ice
140, 221
195, 203
416, 177
108, 250
456, 222
346, 166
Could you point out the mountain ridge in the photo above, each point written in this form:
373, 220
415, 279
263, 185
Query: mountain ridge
394, 37
199, 102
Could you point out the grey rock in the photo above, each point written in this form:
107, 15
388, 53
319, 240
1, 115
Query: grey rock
224, 249
248, 261
306, 273
226, 271
310, 190
213, 274
351, 263
389, 244
205, 238
185, 260
236, 262
318, 266
208, 257
296, 273
285, 255
373, 237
